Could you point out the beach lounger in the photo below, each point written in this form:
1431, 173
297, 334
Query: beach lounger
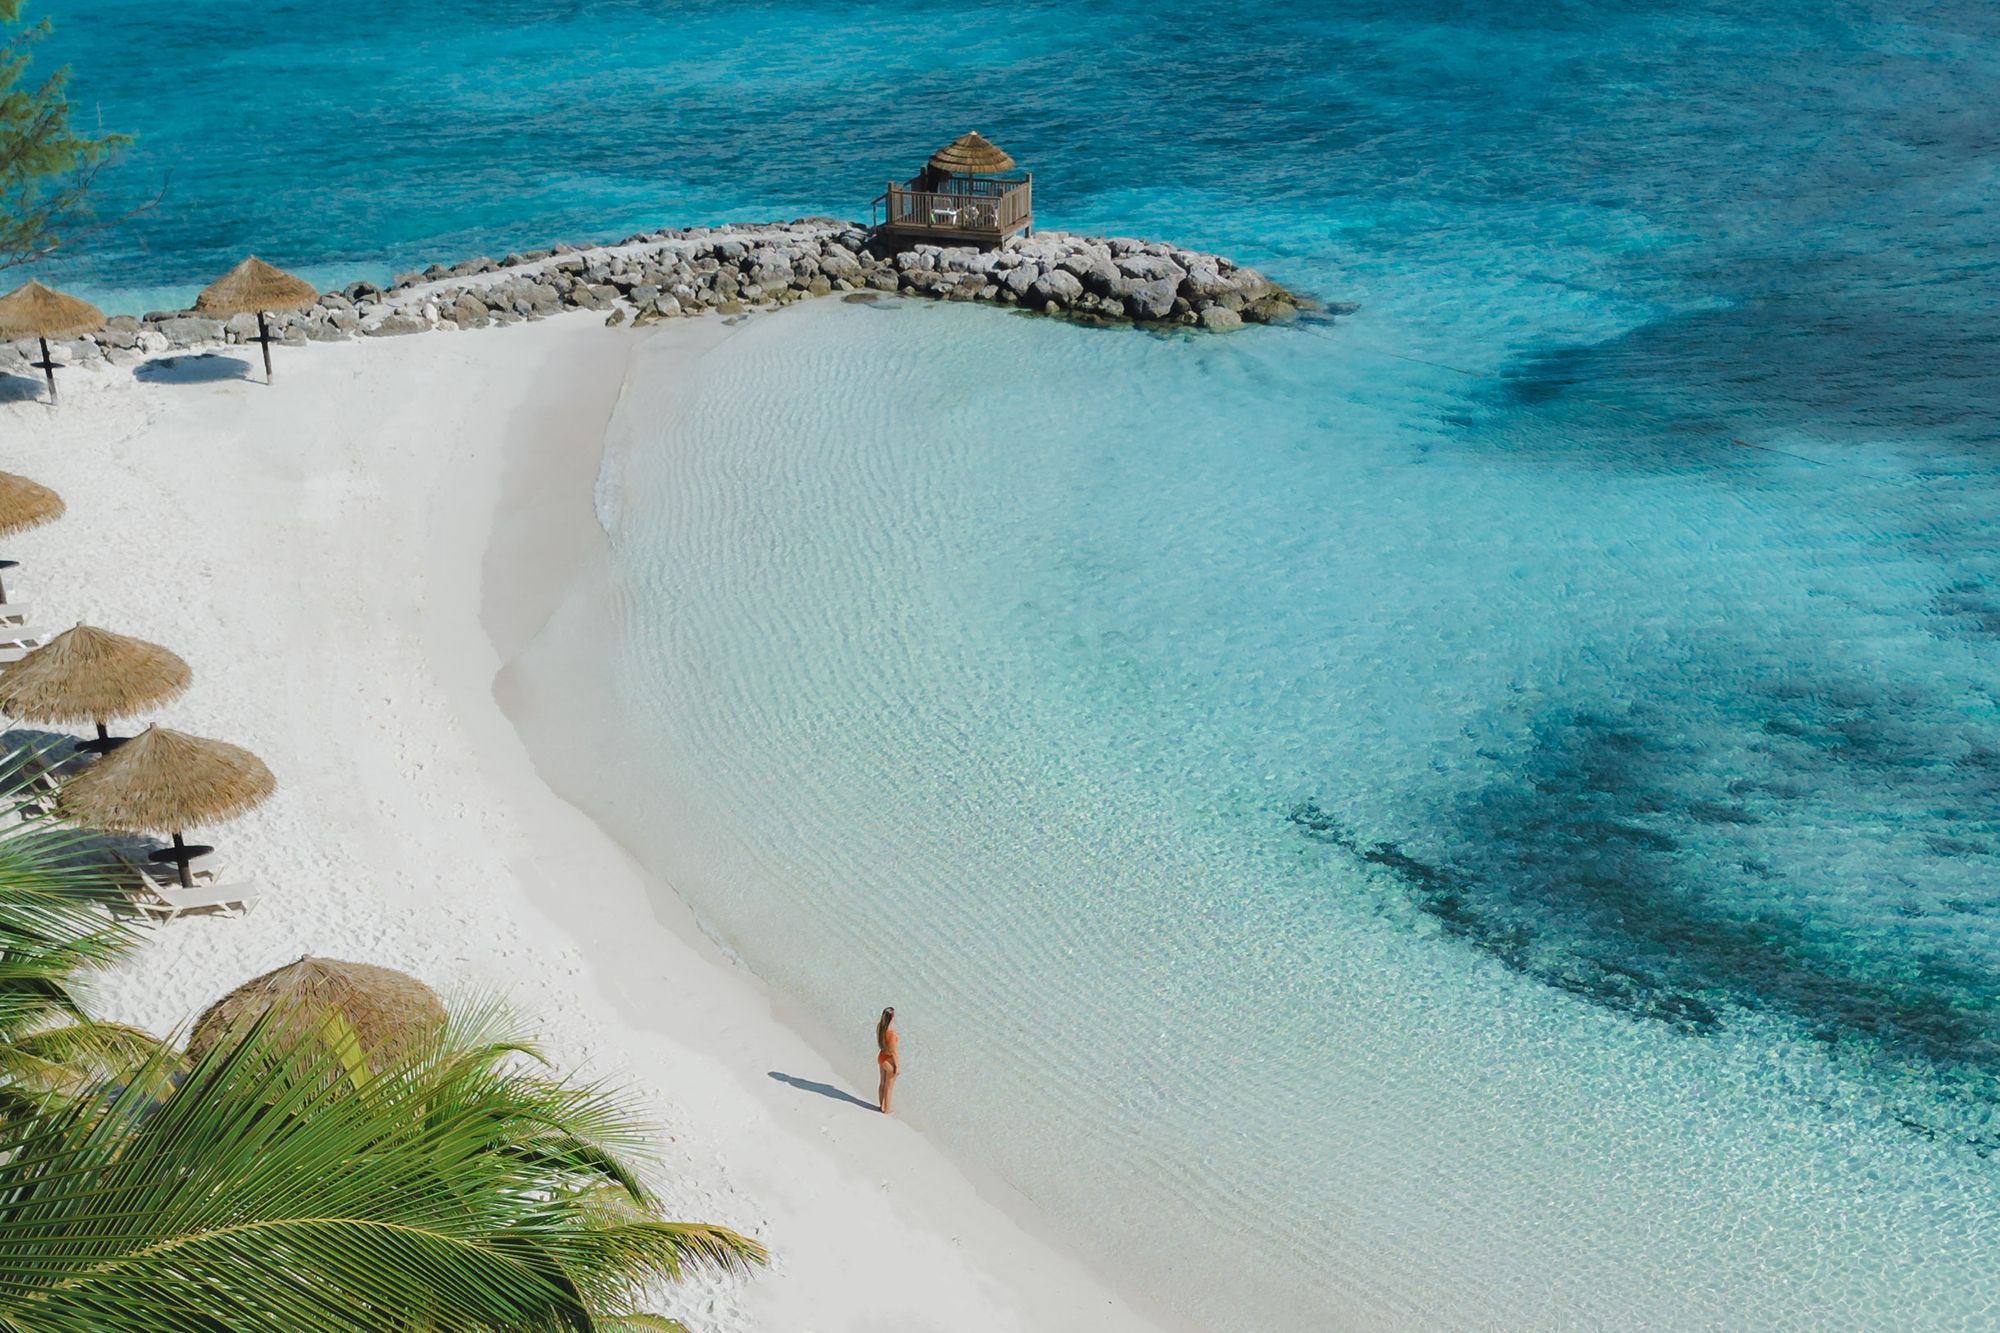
16, 642
38, 791
161, 901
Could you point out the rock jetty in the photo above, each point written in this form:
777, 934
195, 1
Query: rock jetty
730, 270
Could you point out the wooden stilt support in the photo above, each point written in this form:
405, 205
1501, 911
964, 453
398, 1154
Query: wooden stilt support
264, 336
48, 365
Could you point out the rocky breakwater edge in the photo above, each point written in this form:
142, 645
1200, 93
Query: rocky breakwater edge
731, 270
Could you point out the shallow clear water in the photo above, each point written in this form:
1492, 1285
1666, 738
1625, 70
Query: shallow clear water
1479, 812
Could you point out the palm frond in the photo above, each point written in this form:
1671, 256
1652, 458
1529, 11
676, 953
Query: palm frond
271, 1190
57, 887
639, 1323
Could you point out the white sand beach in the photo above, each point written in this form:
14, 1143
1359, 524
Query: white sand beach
348, 558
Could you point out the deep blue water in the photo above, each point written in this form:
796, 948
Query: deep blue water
1613, 601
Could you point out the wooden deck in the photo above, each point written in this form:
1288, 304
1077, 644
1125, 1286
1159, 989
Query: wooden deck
970, 212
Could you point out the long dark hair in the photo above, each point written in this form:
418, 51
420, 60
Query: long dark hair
882, 1025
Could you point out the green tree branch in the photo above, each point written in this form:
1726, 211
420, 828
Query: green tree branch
47, 169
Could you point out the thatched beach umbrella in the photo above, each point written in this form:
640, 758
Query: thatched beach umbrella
162, 781
388, 1012
24, 504
253, 287
970, 155
91, 675
34, 311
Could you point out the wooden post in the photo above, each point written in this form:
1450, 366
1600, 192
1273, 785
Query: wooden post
264, 337
48, 364
187, 880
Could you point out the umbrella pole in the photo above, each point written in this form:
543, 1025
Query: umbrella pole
187, 880
264, 336
49, 369
103, 732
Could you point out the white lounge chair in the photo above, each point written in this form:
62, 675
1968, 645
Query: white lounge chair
14, 613
161, 901
39, 787
16, 642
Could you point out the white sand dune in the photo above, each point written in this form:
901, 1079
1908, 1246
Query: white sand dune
347, 558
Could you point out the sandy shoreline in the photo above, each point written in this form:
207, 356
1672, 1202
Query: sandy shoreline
368, 542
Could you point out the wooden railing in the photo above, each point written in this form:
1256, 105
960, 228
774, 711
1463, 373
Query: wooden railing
996, 208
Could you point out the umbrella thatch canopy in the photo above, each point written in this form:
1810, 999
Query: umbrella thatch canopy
162, 781
34, 311
387, 1011
970, 155
90, 675
26, 504
254, 287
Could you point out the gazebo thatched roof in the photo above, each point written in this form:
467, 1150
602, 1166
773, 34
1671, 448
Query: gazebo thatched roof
164, 781
971, 155
387, 1011
26, 504
34, 311
253, 287
90, 675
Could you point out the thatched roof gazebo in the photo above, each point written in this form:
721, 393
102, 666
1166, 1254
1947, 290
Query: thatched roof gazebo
163, 781
91, 675
24, 504
34, 311
971, 155
388, 1012
254, 287
963, 195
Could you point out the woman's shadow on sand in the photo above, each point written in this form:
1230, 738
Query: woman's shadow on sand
824, 1090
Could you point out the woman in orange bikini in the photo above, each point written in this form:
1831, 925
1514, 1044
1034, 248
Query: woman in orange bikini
885, 1054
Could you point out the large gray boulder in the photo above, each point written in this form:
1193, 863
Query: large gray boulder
1151, 268
1153, 299
837, 262
120, 331
190, 330
1058, 286
390, 326
1018, 280
769, 268
1094, 269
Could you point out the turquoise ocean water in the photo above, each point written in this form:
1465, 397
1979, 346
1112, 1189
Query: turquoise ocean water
1481, 813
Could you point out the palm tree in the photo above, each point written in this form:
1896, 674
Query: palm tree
282, 1185
54, 892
